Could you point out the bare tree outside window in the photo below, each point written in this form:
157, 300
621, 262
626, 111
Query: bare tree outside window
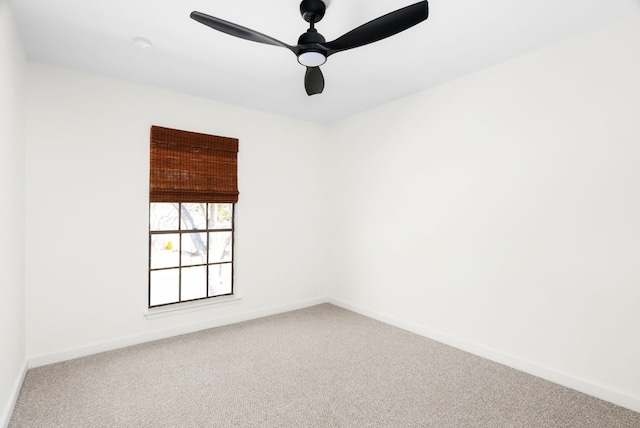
190, 251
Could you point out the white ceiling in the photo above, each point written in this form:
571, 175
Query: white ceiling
460, 37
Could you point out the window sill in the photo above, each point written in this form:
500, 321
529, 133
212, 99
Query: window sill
181, 308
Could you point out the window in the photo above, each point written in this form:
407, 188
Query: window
191, 251
192, 194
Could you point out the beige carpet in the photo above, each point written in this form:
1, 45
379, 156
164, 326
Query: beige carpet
318, 367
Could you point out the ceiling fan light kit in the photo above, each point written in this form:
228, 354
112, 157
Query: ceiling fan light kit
312, 49
312, 59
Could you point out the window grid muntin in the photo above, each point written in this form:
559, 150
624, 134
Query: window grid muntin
209, 229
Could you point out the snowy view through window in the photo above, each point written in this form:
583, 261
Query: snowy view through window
190, 251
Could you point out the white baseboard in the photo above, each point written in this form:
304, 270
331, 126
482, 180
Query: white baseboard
13, 398
123, 342
547, 373
582, 385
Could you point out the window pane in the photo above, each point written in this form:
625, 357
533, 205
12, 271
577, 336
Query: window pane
220, 247
163, 287
220, 279
194, 283
193, 216
220, 216
165, 250
194, 249
163, 216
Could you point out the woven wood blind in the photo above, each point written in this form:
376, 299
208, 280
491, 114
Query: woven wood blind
192, 167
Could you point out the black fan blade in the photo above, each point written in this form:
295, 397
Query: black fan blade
239, 31
380, 28
313, 81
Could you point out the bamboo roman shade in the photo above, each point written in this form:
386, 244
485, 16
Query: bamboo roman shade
192, 167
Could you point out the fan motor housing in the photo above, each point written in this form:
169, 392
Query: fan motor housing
312, 10
310, 37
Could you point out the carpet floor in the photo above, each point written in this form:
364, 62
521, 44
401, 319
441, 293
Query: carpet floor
321, 366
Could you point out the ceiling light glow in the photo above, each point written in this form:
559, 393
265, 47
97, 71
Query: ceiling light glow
312, 59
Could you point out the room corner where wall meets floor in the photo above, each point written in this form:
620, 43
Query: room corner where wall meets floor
318, 366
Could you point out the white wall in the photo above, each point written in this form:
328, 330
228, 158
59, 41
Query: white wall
501, 213
12, 301
87, 156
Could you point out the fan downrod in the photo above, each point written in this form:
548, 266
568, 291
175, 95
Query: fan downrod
312, 10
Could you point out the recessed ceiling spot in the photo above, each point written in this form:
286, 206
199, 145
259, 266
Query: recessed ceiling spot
142, 43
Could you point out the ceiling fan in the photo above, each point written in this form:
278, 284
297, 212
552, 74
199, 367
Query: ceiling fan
312, 49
